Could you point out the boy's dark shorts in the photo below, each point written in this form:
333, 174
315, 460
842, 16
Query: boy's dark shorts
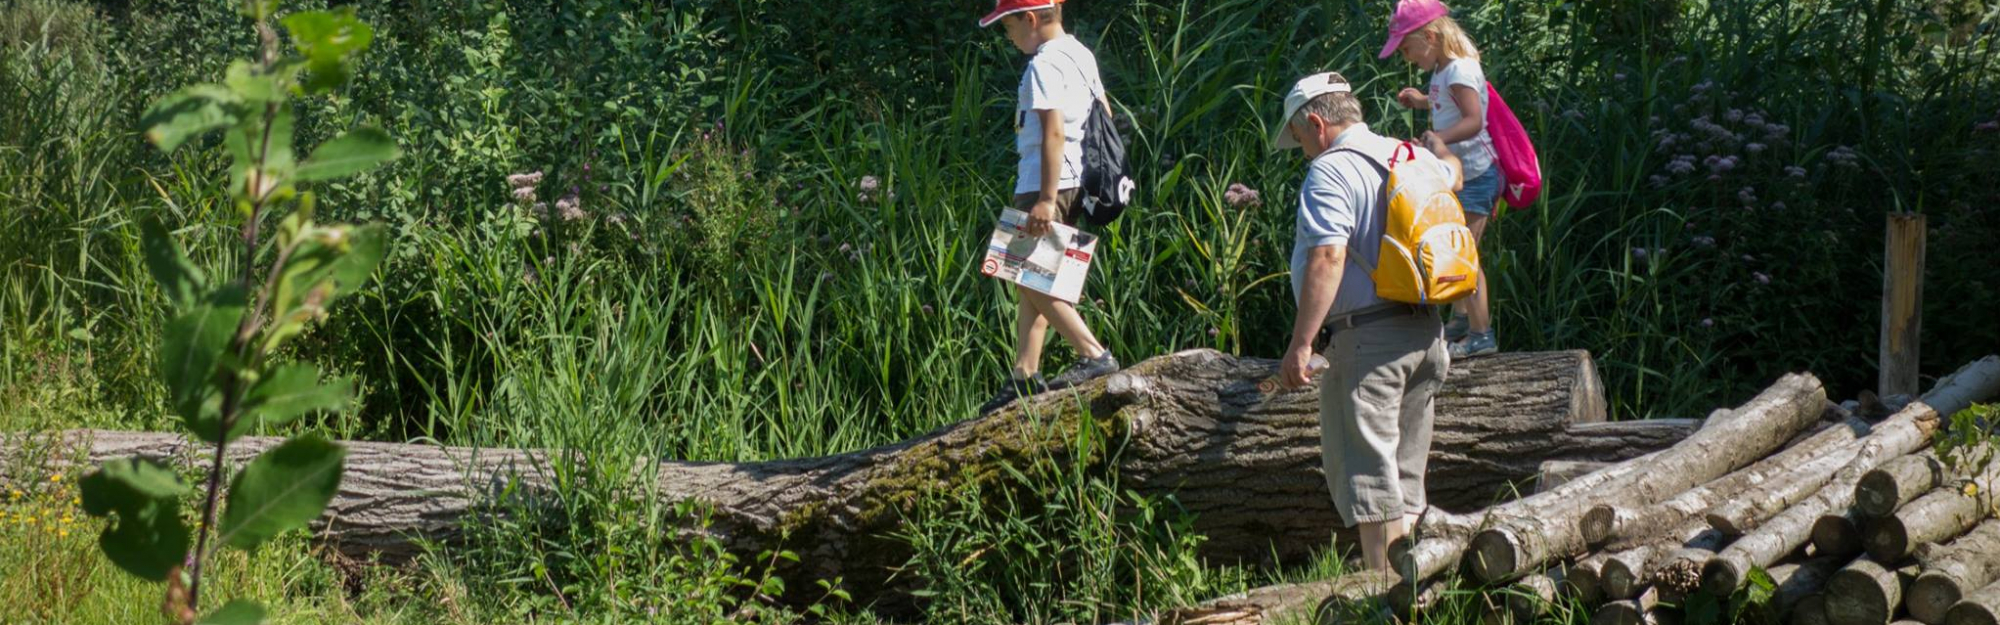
1069, 204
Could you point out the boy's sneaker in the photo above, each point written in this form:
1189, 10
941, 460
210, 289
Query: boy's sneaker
1011, 390
1086, 370
1456, 329
1475, 344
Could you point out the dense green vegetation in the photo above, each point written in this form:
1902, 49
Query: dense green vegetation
756, 231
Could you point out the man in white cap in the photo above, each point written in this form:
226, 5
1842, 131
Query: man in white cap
1385, 360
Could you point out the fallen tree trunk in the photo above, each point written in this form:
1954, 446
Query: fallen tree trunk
1975, 382
1837, 534
1810, 611
1445, 535
1680, 571
1952, 571
1675, 564
1940, 516
1517, 544
1979, 608
1903, 433
1559, 472
1742, 515
1317, 602
1795, 582
1607, 522
1524, 601
1866, 592
1636, 611
1191, 424
1897, 482
1248, 465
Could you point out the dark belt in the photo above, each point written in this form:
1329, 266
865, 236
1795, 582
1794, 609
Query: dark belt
1351, 321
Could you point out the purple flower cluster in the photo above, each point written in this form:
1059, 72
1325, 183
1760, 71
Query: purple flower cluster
1240, 196
1844, 157
1681, 165
871, 188
570, 208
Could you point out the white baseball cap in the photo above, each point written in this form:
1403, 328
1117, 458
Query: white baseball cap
1304, 91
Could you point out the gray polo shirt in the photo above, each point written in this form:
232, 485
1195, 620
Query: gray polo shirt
1341, 203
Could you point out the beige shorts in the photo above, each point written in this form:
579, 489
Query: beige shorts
1069, 204
1377, 401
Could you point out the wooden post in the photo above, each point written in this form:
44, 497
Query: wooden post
1902, 303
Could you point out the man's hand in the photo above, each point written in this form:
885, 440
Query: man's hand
1411, 98
1040, 216
1294, 370
1436, 143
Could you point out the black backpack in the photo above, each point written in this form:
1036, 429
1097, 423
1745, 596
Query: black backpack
1107, 180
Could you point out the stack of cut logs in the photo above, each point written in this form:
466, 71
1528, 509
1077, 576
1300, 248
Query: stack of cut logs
1843, 519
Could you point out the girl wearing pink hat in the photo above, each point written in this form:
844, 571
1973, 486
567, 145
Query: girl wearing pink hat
1427, 37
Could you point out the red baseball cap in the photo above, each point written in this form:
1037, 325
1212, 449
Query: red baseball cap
1004, 8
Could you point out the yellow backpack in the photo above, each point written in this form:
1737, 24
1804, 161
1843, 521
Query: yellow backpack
1428, 256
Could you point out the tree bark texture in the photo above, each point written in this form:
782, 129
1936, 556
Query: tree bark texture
1940, 516
1518, 544
1192, 425
1896, 482
1902, 433
1866, 592
1611, 521
1982, 607
1953, 570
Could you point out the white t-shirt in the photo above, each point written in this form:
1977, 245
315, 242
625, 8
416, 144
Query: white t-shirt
1476, 153
1062, 76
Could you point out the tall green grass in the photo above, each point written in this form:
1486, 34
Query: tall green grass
728, 292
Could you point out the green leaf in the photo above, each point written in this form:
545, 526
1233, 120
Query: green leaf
250, 144
257, 88
258, 9
142, 499
328, 39
188, 113
342, 255
366, 245
282, 489
178, 277
290, 391
190, 348
238, 612
357, 151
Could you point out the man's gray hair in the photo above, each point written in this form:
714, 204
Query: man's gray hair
1340, 107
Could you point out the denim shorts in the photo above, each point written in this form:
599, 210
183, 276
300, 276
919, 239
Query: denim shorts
1481, 192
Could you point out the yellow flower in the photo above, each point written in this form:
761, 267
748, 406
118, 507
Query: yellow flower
55, 478
62, 534
67, 519
1971, 489
76, 501
15, 493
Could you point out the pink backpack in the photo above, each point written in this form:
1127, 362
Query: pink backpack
1512, 152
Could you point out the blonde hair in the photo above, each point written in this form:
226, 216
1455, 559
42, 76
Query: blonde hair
1452, 42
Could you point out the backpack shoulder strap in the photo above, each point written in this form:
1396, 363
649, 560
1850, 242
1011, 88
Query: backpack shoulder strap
1096, 87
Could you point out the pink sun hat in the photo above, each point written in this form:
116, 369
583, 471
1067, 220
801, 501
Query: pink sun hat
1410, 15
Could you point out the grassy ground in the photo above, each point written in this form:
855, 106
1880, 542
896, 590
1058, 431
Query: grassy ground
727, 289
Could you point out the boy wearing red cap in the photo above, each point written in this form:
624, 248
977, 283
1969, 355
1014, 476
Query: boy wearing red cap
1056, 93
